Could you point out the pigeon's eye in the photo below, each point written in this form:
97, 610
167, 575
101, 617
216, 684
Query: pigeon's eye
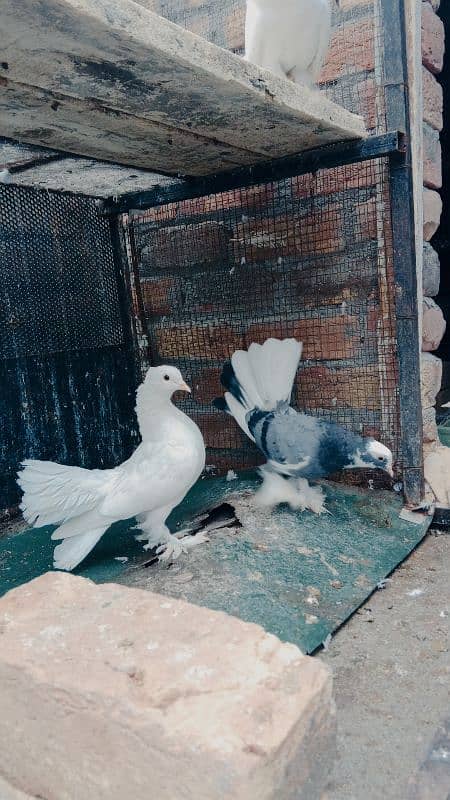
167, 377
380, 458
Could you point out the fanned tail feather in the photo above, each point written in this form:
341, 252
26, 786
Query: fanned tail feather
259, 378
75, 548
53, 492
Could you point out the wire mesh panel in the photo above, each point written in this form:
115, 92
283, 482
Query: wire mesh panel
58, 289
308, 257
67, 373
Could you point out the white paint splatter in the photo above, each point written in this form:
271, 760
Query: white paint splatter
231, 475
415, 592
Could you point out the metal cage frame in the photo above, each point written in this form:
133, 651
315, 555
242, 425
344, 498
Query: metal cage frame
395, 145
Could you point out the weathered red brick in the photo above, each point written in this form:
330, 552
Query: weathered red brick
224, 460
234, 25
433, 39
205, 384
156, 295
432, 158
198, 341
160, 214
220, 431
318, 232
367, 95
371, 431
366, 215
433, 100
351, 50
254, 197
203, 244
330, 181
355, 387
324, 338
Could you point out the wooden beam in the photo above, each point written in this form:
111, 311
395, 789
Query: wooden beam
390, 144
116, 82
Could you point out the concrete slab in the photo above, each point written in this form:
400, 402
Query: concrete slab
119, 83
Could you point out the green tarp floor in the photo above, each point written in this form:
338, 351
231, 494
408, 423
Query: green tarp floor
298, 575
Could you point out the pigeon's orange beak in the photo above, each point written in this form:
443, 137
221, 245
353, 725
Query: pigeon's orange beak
184, 387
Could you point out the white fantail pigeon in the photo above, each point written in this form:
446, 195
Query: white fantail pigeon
258, 385
85, 503
288, 37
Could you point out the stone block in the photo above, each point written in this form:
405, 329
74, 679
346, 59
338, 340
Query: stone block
433, 39
8, 792
111, 693
433, 100
431, 271
437, 475
432, 210
430, 431
433, 325
431, 378
432, 158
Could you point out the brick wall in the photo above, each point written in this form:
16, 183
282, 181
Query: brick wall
308, 257
433, 46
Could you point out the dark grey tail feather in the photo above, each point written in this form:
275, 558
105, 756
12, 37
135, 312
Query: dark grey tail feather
221, 404
230, 382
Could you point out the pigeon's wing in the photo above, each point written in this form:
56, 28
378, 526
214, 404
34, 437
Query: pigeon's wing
289, 438
155, 476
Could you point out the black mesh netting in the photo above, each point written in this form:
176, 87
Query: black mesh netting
308, 257
59, 289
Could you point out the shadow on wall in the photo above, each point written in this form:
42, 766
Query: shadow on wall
441, 240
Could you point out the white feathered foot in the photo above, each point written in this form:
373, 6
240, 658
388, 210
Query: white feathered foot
156, 535
296, 492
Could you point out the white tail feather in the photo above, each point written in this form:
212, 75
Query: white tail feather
53, 492
266, 372
238, 411
74, 549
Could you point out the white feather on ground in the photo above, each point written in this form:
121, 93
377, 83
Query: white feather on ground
149, 485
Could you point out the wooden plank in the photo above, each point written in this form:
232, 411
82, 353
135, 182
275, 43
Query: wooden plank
43, 168
120, 83
334, 155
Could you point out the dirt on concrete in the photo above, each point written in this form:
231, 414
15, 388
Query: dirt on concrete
391, 667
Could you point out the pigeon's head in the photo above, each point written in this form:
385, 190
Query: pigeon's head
372, 455
164, 381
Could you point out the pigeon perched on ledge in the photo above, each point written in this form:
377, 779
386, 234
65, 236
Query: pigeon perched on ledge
297, 446
288, 37
149, 485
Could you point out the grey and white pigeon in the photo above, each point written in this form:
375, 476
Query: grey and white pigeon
258, 385
288, 37
85, 503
